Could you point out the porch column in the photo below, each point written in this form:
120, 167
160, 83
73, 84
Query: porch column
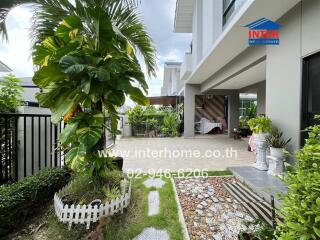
261, 98
233, 111
189, 108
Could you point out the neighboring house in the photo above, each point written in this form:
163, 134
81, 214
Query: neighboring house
4, 68
30, 91
284, 77
172, 85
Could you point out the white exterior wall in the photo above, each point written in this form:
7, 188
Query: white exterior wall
197, 33
207, 26
298, 38
172, 83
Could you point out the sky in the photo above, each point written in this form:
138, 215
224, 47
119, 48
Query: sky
157, 15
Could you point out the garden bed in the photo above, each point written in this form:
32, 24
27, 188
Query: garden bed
124, 226
209, 210
92, 212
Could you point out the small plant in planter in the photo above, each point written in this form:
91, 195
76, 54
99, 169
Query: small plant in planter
260, 125
277, 143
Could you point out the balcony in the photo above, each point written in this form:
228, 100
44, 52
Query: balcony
186, 67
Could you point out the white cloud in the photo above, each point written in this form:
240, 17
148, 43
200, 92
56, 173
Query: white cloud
16, 53
157, 15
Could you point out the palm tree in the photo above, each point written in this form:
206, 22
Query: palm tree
86, 53
48, 14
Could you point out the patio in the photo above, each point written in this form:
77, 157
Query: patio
211, 152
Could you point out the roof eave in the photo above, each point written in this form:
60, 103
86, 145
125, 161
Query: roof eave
183, 16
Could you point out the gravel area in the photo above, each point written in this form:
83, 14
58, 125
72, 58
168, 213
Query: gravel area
209, 210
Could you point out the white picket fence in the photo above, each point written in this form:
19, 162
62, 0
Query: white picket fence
87, 214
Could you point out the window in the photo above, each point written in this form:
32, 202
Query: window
228, 9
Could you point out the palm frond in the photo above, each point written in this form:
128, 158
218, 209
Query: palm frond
129, 23
5, 7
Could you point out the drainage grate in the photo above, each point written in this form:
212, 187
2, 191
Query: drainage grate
254, 204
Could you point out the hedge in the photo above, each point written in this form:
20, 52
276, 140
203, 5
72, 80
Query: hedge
19, 200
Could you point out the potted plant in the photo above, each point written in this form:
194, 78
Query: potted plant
277, 143
260, 126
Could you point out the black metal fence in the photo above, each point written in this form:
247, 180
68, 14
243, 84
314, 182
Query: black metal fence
28, 143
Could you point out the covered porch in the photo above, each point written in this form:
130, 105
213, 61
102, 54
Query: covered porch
204, 152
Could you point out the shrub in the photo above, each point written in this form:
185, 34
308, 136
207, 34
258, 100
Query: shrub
19, 200
171, 123
301, 207
165, 119
10, 94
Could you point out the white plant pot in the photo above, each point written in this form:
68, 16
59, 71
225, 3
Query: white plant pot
261, 152
277, 152
276, 166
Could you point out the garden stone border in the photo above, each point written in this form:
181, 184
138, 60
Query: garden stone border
180, 213
87, 214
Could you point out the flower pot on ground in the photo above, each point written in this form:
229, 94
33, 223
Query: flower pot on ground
260, 126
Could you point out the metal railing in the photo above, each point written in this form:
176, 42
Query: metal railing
28, 143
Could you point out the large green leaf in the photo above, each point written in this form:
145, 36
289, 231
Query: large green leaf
89, 136
103, 74
75, 156
96, 119
68, 134
46, 75
69, 28
137, 96
72, 64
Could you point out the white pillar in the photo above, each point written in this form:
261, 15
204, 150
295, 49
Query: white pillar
233, 111
189, 109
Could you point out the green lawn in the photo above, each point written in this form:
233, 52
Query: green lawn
133, 221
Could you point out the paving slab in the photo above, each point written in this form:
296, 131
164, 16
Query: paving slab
154, 203
153, 234
154, 182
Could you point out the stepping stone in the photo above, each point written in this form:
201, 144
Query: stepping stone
154, 203
153, 234
154, 182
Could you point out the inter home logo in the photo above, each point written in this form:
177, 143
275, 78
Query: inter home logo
263, 32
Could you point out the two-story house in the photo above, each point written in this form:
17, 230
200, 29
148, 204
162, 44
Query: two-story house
285, 77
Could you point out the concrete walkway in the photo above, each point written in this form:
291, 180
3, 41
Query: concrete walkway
215, 152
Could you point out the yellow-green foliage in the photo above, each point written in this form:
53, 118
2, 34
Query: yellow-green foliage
301, 208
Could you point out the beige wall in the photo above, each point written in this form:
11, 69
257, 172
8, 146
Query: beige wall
299, 37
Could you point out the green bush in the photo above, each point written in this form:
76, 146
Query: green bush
170, 124
10, 94
301, 207
20, 199
164, 120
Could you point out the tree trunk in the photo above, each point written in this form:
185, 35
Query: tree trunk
102, 142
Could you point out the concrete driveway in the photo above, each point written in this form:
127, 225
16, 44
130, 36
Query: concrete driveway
215, 152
